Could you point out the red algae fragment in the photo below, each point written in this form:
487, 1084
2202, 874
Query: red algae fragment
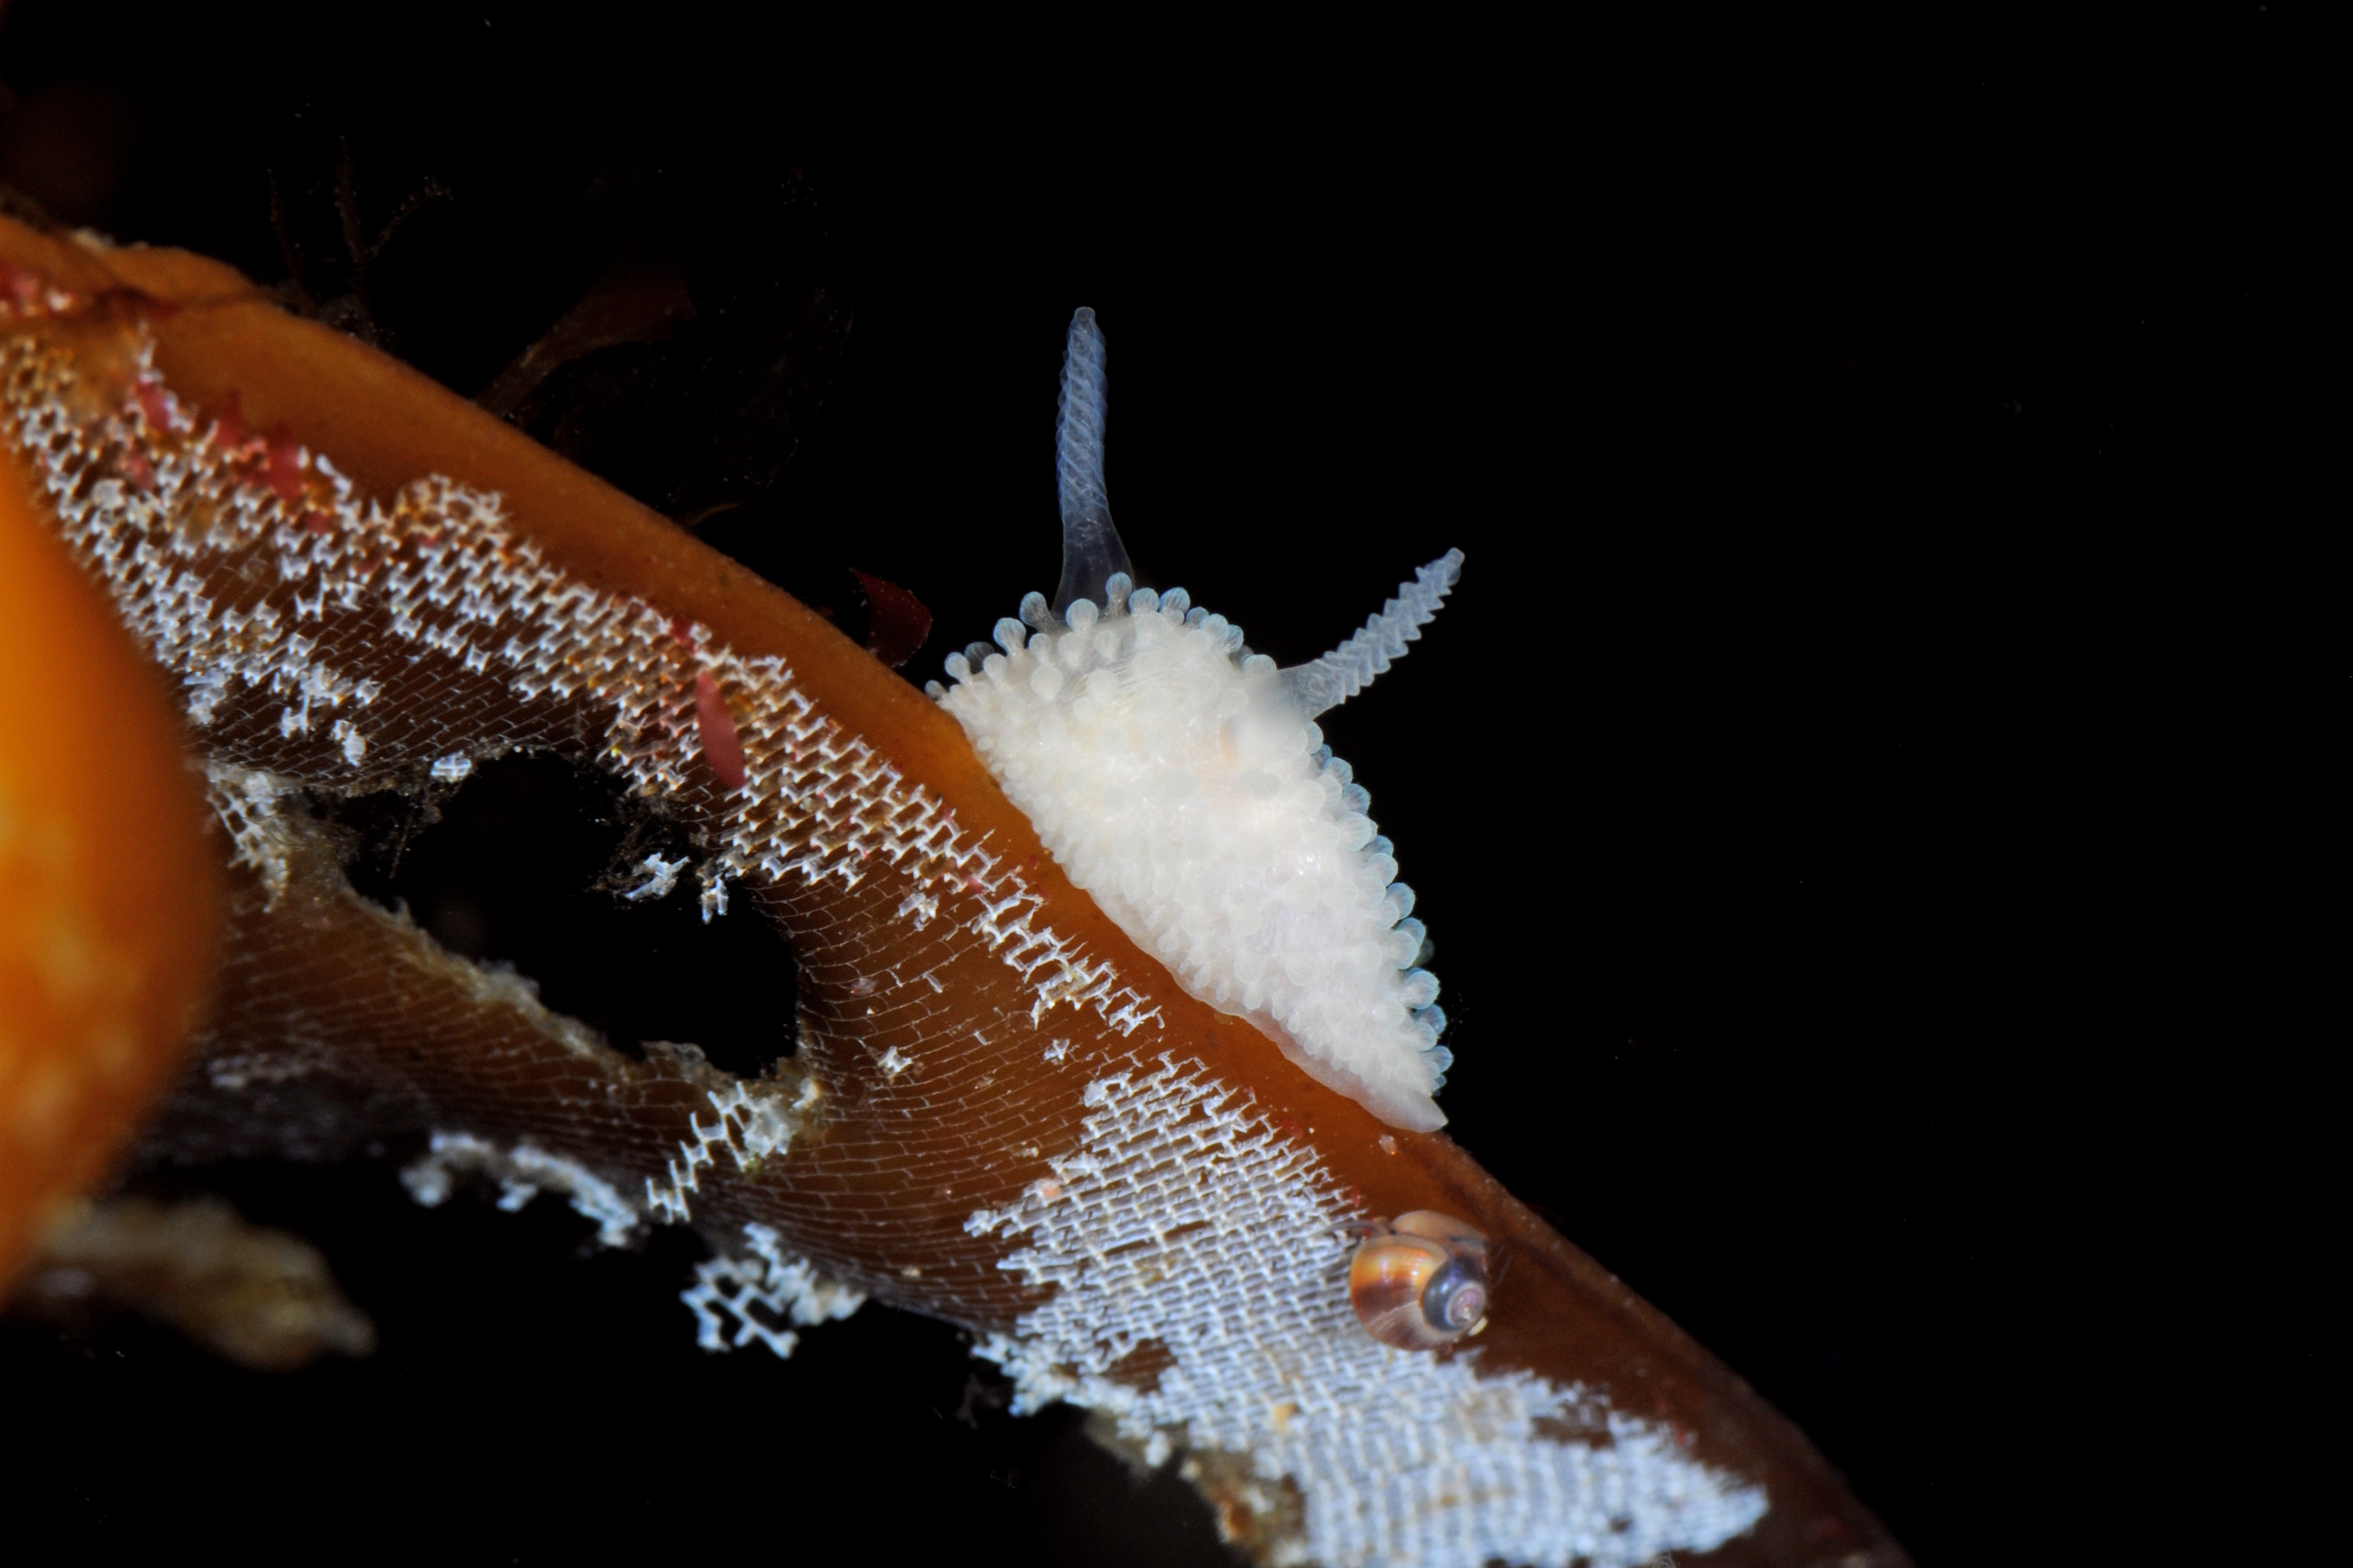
153, 402
722, 748
285, 475
228, 425
27, 293
897, 621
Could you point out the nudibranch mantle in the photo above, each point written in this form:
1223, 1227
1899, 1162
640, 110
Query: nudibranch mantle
1178, 782
1182, 781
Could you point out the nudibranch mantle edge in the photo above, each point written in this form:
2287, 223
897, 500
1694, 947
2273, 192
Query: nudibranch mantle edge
1181, 781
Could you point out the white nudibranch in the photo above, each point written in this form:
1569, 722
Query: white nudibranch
1182, 781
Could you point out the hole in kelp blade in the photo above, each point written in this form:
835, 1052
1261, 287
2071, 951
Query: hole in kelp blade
529, 862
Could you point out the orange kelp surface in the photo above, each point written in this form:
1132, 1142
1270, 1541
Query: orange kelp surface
999, 1111
107, 888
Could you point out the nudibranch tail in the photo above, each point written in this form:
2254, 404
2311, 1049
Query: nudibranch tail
1323, 684
1092, 551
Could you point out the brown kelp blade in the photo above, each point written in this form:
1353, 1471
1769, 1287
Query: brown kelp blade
998, 1102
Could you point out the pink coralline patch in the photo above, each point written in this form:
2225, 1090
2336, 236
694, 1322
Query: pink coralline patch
154, 404
722, 747
24, 292
235, 443
228, 425
285, 466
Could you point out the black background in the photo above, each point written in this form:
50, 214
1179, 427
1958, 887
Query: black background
1831, 416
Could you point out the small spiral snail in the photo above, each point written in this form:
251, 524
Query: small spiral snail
1419, 1282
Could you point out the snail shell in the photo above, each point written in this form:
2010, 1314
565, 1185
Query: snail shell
1419, 1282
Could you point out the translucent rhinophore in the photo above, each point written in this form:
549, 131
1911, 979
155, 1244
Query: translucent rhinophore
1324, 683
1092, 551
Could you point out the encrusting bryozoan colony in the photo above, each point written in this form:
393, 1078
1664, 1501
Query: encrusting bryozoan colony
1182, 781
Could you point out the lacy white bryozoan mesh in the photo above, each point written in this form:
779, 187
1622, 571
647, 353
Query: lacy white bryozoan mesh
323, 638
1189, 1221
